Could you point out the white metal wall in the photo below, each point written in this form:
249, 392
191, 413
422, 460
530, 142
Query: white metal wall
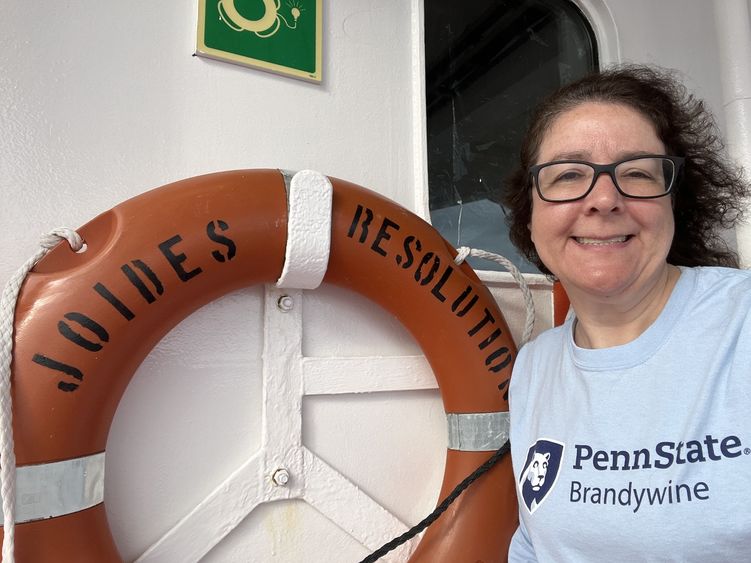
733, 25
102, 101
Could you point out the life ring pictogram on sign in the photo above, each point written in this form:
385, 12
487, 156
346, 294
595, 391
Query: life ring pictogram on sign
85, 321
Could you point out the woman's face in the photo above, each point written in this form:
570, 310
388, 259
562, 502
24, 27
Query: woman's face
604, 245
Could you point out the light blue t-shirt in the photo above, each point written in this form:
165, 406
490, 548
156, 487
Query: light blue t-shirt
640, 452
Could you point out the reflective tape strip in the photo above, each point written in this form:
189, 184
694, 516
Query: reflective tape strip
306, 258
55, 489
477, 432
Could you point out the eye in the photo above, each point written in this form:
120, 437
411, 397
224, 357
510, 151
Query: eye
571, 175
637, 174
566, 173
641, 170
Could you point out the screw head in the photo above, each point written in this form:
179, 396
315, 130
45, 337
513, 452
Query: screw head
281, 477
285, 303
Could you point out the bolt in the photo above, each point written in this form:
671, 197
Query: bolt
281, 477
285, 303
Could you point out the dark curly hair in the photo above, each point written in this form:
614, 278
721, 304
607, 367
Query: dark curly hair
709, 195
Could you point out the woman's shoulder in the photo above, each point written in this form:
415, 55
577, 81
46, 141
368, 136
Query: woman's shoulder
533, 363
714, 298
715, 274
719, 283
546, 341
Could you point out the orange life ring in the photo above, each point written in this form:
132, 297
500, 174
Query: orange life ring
85, 321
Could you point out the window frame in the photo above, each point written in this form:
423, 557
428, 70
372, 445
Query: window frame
601, 21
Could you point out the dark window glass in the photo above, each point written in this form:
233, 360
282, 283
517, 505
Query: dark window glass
487, 64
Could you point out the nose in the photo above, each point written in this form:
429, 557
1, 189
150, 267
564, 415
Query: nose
604, 197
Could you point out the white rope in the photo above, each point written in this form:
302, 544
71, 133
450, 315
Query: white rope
7, 312
529, 305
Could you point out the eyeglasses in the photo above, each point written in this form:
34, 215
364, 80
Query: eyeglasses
640, 177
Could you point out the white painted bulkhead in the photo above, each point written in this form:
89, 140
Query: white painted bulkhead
100, 102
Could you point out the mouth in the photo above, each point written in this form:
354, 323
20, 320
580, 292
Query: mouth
602, 241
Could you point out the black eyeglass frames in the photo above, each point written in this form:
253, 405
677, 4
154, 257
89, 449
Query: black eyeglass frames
642, 177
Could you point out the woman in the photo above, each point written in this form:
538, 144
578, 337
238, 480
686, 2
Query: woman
630, 432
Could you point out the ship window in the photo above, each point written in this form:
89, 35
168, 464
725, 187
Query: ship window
487, 63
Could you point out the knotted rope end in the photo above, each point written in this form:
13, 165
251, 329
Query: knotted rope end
51, 239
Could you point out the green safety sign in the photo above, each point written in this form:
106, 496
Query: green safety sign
281, 36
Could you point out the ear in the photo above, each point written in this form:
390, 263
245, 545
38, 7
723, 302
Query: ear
546, 456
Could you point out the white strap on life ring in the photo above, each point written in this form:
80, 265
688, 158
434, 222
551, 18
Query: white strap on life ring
49, 490
477, 432
306, 258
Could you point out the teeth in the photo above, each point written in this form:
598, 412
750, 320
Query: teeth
599, 241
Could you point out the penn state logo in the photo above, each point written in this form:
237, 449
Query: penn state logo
540, 472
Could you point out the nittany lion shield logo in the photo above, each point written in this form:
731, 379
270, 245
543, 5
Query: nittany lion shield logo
540, 472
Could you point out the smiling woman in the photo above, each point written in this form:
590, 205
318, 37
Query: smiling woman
604, 245
622, 194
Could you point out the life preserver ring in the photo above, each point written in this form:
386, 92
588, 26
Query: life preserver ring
85, 321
